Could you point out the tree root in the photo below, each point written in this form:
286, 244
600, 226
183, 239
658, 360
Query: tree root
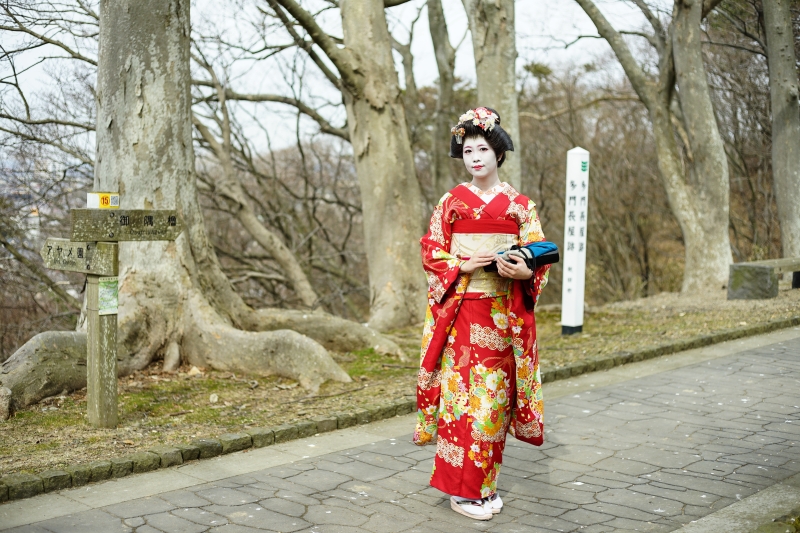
50, 363
334, 333
208, 341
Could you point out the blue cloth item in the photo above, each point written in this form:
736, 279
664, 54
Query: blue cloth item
546, 250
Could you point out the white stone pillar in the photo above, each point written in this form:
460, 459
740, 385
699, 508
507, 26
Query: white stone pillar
576, 215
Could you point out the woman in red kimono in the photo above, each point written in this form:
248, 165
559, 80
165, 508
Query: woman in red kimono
479, 371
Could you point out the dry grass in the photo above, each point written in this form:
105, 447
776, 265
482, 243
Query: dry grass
160, 408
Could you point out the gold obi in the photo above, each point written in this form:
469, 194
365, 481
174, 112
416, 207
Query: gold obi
468, 244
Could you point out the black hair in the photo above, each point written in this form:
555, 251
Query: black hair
497, 138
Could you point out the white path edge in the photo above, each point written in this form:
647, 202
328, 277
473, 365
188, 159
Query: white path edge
750, 512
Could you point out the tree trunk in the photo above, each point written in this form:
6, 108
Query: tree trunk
783, 88
697, 184
491, 24
171, 292
390, 193
442, 177
708, 249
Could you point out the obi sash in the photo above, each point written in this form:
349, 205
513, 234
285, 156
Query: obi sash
484, 235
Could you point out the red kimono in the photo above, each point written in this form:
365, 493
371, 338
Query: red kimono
479, 371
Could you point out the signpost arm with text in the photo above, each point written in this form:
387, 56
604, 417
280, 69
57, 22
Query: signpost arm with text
576, 209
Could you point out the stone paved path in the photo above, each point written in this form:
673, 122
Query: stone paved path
647, 454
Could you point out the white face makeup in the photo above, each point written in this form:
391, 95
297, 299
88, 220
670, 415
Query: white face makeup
481, 161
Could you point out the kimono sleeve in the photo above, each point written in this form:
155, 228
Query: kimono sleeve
441, 268
531, 231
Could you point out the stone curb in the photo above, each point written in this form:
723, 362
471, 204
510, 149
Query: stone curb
18, 486
604, 362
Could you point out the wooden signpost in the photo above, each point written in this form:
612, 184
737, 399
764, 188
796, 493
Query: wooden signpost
93, 250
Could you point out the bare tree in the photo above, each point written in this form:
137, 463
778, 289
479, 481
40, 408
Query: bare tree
229, 186
491, 23
784, 96
376, 120
691, 155
442, 177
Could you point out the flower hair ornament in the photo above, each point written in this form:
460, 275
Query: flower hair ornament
480, 117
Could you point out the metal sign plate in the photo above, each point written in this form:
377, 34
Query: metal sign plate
125, 225
99, 258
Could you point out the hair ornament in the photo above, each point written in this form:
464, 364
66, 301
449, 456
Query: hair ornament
480, 117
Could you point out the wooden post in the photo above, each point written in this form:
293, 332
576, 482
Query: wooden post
101, 384
94, 251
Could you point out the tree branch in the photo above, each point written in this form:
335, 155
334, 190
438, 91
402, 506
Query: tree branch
29, 122
22, 29
337, 55
324, 125
590, 103
708, 7
308, 47
641, 84
652, 19
41, 274
393, 3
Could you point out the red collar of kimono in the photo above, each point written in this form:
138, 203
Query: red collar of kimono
493, 209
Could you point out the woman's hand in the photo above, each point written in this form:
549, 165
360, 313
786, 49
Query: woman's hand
514, 269
479, 260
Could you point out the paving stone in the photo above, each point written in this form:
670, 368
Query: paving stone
234, 528
80, 474
226, 496
320, 479
208, 447
189, 452
184, 498
95, 520
380, 461
345, 420
261, 436
139, 507
325, 423
585, 517
134, 522
285, 432
235, 442
306, 429
169, 455
55, 480
174, 524
120, 467
256, 516
23, 485
33, 528
148, 529
362, 415
200, 516
101, 470
329, 515
406, 405
286, 506
144, 462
